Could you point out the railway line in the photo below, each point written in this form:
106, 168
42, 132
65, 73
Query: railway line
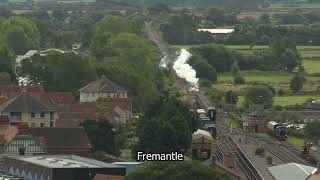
241, 159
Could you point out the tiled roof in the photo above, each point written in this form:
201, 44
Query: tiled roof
7, 133
62, 137
24, 102
102, 85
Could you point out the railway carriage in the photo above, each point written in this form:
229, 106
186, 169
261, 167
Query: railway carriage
278, 130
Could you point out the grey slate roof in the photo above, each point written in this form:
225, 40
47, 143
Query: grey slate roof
62, 137
291, 171
102, 85
24, 103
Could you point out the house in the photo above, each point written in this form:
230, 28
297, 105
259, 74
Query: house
25, 108
60, 167
36, 141
101, 88
291, 171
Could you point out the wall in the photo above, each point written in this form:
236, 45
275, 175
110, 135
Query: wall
26, 117
90, 97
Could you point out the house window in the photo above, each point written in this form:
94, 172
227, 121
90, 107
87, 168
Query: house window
51, 124
51, 116
15, 116
41, 124
35, 115
42, 114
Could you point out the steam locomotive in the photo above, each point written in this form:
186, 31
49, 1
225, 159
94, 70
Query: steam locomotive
207, 120
278, 130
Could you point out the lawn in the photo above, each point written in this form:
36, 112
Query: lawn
312, 66
295, 141
284, 100
269, 77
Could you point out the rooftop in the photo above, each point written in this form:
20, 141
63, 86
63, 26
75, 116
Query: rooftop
63, 161
291, 171
24, 102
217, 31
102, 85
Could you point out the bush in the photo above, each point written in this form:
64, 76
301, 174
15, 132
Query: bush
205, 83
269, 160
281, 92
239, 80
260, 151
99, 155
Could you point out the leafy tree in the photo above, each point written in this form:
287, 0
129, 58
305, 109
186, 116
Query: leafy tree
235, 69
167, 127
296, 83
280, 45
59, 72
7, 61
101, 135
239, 80
190, 170
289, 60
231, 97
312, 131
258, 95
20, 34
203, 69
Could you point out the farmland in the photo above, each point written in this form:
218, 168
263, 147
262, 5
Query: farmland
284, 100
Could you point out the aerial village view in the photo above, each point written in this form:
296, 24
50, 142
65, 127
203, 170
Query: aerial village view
159, 89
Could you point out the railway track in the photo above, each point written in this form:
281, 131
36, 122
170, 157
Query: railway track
241, 159
276, 148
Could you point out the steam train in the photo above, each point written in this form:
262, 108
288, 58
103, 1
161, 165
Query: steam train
278, 130
206, 119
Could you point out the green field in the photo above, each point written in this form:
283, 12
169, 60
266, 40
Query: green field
295, 141
312, 66
284, 100
267, 77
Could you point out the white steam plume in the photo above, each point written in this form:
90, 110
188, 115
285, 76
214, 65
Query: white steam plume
185, 71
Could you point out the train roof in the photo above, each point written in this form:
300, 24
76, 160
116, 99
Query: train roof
211, 107
202, 133
201, 111
273, 123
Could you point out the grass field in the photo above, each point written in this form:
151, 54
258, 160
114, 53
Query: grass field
269, 77
284, 100
296, 141
312, 66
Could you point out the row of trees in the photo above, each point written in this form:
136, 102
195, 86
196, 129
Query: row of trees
209, 59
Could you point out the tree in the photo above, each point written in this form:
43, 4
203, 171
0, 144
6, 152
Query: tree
59, 72
191, 170
289, 59
203, 69
258, 95
101, 135
166, 127
239, 80
296, 83
231, 97
235, 69
20, 34
283, 117
312, 131
7, 61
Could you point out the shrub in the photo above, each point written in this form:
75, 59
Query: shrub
269, 160
260, 151
281, 92
239, 80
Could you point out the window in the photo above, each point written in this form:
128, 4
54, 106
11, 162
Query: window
42, 125
33, 125
15, 116
51, 124
35, 115
51, 115
42, 114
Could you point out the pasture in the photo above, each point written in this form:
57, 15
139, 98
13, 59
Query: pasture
284, 100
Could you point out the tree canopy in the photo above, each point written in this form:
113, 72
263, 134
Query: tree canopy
20, 34
259, 95
296, 83
190, 170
